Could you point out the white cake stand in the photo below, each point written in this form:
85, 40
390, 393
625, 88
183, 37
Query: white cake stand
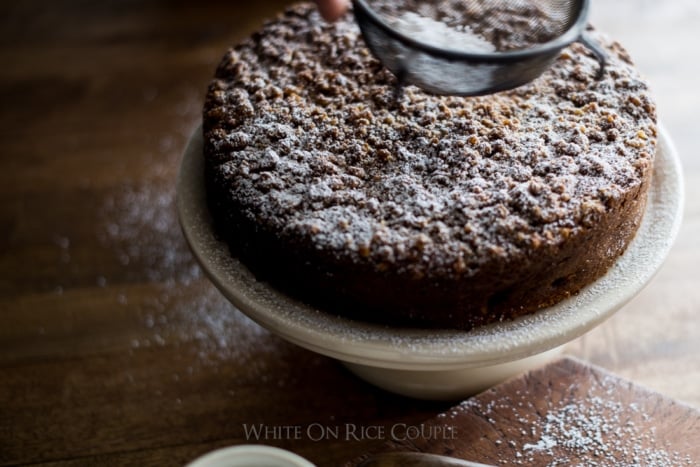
436, 364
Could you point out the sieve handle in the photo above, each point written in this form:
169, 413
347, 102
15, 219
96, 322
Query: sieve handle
597, 50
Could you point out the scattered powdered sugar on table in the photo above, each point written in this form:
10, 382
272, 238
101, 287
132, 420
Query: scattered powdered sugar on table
139, 223
597, 428
591, 427
438, 33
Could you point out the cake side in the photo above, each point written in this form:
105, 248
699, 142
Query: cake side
426, 210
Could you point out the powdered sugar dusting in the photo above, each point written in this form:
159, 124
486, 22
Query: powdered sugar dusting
414, 348
438, 33
489, 25
302, 122
600, 429
139, 224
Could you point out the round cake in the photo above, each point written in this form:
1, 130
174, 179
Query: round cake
412, 209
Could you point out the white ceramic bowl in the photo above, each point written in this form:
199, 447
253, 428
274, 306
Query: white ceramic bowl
250, 455
436, 364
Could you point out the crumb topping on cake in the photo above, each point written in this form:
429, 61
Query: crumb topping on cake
303, 124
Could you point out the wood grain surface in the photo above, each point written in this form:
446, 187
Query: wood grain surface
115, 350
567, 413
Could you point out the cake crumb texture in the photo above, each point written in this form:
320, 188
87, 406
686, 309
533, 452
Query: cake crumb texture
307, 144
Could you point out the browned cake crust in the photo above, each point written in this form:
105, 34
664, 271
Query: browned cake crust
426, 211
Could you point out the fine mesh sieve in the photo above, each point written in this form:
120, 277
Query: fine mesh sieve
472, 47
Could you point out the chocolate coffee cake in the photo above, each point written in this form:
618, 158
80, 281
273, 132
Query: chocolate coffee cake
413, 209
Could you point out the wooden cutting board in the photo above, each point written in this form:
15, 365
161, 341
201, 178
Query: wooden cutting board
567, 413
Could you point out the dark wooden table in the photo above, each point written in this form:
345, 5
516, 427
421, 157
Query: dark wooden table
114, 349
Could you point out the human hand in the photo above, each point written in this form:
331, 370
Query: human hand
331, 10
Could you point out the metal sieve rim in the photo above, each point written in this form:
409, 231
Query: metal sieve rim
571, 35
